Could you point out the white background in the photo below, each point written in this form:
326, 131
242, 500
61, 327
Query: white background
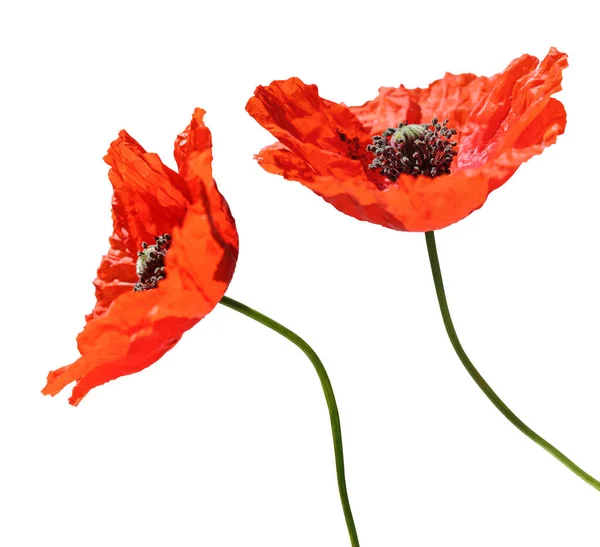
226, 440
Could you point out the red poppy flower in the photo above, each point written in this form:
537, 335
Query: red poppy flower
188, 267
422, 176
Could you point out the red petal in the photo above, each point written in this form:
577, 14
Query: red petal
450, 97
416, 204
138, 328
279, 160
147, 192
147, 201
193, 154
517, 119
195, 139
318, 131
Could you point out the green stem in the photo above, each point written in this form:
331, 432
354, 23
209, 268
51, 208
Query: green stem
334, 416
483, 385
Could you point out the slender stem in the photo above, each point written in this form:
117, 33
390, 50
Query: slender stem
334, 416
483, 385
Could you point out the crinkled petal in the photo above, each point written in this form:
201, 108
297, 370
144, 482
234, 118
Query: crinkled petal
193, 153
280, 160
326, 135
147, 201
195, 140
137, 330
451, 97
414, 204
147, 192
290, 107
516, 100
139, 327
541, 133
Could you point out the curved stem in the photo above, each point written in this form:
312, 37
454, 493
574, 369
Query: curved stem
334, 416
483, 385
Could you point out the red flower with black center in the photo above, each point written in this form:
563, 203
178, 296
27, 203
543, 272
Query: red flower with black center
149, 294
187, 266
419, 159
413, 159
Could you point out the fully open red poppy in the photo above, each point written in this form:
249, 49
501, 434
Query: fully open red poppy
128, 331
500, 122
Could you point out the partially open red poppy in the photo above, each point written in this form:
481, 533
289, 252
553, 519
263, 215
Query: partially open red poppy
413, 177
129, 330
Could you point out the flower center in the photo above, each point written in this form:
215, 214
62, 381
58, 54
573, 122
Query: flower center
415, 149
150, 265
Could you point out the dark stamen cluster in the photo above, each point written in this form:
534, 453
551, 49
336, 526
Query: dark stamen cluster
415, 149
150, 265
